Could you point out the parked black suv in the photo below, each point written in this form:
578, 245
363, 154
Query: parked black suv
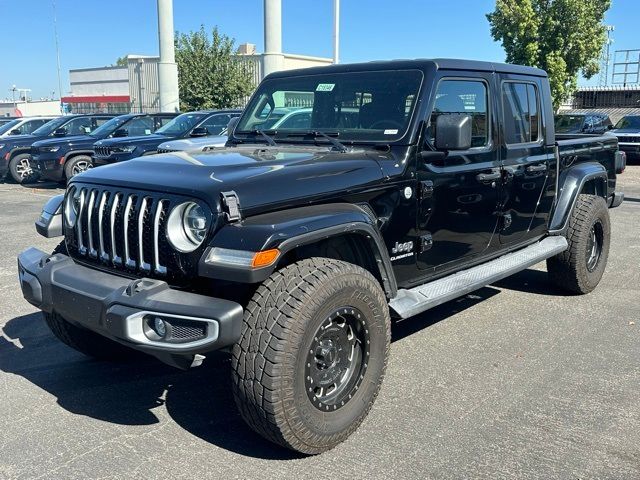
296, 247
59, 158
592, 122
192, 124
15, 152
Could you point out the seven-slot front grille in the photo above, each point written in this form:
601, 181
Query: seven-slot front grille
126, 231
102, 151
629, 139
166, 150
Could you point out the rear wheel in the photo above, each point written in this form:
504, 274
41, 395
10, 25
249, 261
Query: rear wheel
312, 354
20, 169
580, 268
76, 165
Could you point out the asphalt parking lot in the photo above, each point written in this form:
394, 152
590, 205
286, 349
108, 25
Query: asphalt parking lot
514, 381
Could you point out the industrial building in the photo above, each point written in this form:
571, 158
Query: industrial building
616, 101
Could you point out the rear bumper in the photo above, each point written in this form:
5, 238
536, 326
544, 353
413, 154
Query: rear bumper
122, 309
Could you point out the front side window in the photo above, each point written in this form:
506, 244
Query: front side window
180, 125
521, 117
215, 124
630, 121
78, 126
353, 106
462, 97
139, 126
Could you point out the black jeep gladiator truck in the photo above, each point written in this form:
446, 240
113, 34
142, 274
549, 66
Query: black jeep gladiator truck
59, 159
295, 248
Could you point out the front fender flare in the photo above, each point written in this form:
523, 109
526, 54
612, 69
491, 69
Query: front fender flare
289, 229
572, 183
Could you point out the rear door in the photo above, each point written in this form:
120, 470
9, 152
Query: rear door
526, 159
458, 218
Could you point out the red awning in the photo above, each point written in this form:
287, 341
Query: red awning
97, 99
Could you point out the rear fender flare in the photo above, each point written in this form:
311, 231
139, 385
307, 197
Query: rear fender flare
587, 176
289, 229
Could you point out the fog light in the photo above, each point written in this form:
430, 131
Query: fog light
159, 326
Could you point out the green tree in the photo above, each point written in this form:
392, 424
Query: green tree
121, 62
210, 75
563, 37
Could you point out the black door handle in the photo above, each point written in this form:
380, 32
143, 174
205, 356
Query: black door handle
537, 168
488, 177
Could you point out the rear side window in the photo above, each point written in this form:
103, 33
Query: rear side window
468, 97
521, 112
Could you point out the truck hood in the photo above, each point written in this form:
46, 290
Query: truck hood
194, 143
271, 177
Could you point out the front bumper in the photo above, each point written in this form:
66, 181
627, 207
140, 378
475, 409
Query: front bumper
48, 166
120, 308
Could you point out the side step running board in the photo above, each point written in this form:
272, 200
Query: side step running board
411, 302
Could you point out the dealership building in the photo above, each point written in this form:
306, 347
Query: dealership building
134, 87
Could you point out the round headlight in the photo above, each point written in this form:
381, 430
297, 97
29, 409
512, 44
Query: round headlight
187, 227
71, 207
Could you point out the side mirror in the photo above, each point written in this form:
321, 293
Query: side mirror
60, 132
120, 132
232, 125
15, 131
199, 132
453, 132
610, 127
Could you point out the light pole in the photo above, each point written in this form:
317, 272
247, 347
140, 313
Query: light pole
336, 30
167, 67
272, 59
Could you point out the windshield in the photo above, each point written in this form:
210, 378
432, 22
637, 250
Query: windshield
355, 106
568, 123
49, 127
109, 127
629, 122
5, 127
181, 125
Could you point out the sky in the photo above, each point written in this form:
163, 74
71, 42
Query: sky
94, 33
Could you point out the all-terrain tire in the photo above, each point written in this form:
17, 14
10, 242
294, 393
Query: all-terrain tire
76, 165
19, 172
580, 268
271, 361
83, 340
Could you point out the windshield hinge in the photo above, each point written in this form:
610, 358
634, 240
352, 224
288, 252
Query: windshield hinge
231, 204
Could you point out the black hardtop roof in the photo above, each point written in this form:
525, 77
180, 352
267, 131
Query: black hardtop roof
421, 64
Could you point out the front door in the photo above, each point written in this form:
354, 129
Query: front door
460, 198
527, 161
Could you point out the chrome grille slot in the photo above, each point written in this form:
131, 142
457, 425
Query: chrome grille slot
142, 214
90, 225
80, 234
157, 220
115, 205
104, 197
129, 211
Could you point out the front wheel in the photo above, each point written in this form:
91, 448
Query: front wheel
312, 354
76, 165
20, 169
580, 268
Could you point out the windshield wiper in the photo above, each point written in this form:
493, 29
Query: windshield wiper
316, 133
269, 139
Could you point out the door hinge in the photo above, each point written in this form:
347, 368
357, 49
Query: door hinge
426, 189
426, 242
231, 204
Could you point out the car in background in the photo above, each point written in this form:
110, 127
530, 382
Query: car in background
15, 151
23, 125
627, 129
200, 144
58, 159
594, 123
187, 125
300, 118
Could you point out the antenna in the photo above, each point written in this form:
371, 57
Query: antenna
605, 57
